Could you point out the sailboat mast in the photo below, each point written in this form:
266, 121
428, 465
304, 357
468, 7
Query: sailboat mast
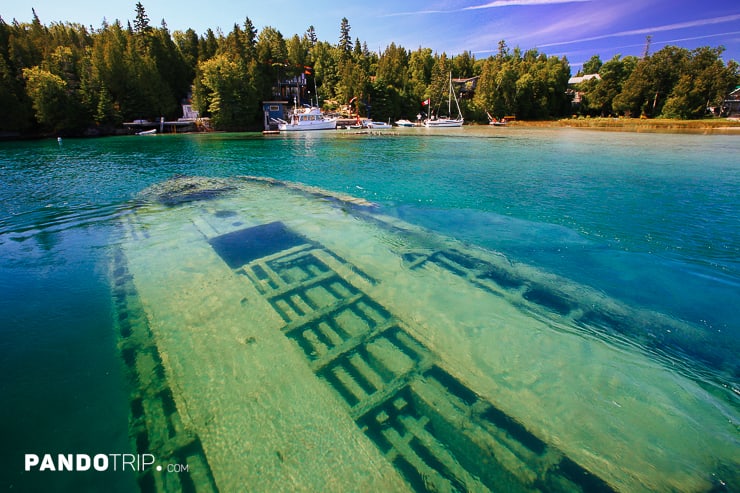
457, 104
316, 91
449, 99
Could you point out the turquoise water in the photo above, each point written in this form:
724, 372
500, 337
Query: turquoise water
649, 220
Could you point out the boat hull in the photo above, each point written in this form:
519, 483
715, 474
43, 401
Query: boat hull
443, 123
307, 126
379, 125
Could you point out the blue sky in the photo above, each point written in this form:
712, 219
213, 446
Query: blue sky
577, 29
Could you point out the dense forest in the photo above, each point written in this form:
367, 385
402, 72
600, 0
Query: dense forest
72, 79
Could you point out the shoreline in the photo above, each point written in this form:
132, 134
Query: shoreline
718, 126
656, 125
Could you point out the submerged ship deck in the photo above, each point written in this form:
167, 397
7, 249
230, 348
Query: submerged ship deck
265, 352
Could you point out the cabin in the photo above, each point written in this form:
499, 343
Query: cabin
573, 83
582, 78
273, 111
189, 114
295, 88
731, 104
466, 87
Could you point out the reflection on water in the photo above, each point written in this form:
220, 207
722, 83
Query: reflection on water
425, 363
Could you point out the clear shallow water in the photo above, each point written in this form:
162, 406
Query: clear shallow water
650, 220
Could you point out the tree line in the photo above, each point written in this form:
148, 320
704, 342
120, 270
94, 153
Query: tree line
69, 78
672, 83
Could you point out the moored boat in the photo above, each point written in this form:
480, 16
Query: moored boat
492, 120
378, 125
444, 122
447, 121
311, 118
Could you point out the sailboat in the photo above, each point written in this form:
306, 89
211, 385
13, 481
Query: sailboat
447, 122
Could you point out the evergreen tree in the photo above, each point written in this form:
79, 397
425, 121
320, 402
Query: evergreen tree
463, 65
18, 112
345, 40
188, 45
298, 52
207, 45
353, 81
233, 44
392, 66
271, 46
272, 57
108, 67
357, 53
439, 86
503, 50
250, 39
105, 110
311, 35
141, 22
325, 59
420, 73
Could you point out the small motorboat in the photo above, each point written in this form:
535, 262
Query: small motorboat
492, 120
378, 125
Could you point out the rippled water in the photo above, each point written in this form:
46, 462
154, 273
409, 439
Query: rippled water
650, 220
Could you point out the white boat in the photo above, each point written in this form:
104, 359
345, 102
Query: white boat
444, 122
404, 123
147, 132
447, 122
378, 125
311, 118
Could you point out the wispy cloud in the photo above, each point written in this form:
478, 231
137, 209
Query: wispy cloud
574, 20
654, 29
513, 3
419, 12
693, 38
489, 5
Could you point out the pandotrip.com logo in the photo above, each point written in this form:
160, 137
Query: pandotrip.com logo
97, 462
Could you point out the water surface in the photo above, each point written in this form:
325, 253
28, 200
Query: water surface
647, 220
